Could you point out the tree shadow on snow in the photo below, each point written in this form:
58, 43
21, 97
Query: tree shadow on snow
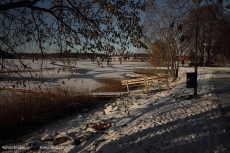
200, 132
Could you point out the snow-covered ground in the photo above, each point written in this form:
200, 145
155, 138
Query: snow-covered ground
164, 122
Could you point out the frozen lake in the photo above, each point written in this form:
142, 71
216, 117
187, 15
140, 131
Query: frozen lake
78, 74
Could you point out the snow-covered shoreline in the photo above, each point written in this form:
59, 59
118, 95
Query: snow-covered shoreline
154, 122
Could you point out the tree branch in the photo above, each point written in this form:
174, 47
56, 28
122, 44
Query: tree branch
13, 5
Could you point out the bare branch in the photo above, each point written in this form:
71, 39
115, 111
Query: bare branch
17, 4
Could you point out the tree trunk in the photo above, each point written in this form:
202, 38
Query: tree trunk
172, 71
176, 68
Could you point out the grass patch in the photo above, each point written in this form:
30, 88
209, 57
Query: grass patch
111, 85
20, 112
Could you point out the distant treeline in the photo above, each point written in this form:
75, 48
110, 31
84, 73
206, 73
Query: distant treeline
4, 54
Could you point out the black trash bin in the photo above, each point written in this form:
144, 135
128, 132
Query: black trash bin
191, 80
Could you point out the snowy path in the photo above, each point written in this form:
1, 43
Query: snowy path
222, 82
162, 122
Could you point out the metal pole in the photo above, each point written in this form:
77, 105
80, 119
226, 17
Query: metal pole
204, 53
195, 89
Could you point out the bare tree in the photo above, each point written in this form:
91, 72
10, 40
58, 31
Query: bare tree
164, 32
220, 48
172, 23
209, 17
91, 25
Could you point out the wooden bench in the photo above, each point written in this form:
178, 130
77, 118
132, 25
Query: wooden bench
143, 81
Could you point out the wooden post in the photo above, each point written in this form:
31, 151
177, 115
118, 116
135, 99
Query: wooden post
127, 85
146, 85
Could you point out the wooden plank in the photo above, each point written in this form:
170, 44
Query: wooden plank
137, 82
135, 85
142, 79
130, 81
151, 78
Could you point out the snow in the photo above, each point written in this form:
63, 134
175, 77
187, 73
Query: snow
154, 122
78, 74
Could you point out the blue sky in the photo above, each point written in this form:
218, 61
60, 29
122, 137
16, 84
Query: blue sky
51, 49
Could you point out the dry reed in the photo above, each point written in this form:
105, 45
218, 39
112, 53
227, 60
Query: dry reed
22, 111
